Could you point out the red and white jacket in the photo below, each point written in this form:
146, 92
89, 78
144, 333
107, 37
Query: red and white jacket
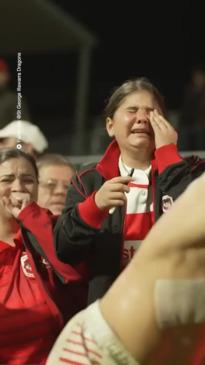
84, 231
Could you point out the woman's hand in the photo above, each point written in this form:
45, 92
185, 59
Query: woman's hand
112, 192
16, 202
163, 131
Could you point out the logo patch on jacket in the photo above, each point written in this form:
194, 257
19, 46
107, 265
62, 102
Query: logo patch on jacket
45, 263
167, 202
26, 266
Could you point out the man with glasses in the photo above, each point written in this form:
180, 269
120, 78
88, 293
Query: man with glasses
55, 173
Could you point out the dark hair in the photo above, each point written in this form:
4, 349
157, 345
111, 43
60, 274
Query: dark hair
53, 159
129, 87
9, 153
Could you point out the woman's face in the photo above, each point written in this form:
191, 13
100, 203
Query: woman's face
17, 177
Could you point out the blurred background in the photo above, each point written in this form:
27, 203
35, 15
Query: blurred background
74, 53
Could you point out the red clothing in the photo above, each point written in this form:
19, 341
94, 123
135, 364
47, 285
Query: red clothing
34, 305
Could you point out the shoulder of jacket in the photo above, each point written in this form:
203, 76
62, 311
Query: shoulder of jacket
89, 173
87, 179
196, 163
194, 160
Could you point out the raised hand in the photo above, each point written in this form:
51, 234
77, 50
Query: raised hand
112, 192
16, 202
163, 130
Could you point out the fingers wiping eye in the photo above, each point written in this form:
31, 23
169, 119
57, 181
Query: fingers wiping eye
154, 121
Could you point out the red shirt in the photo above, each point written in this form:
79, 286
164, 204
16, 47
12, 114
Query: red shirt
28, 328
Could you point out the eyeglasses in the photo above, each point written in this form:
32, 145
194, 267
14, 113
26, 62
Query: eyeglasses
52, 184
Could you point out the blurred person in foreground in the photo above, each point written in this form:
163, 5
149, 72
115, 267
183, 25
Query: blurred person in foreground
154, 313
23, 134
38, 292
111, 205
55, 173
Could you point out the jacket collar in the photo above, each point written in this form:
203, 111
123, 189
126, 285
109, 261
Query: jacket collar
108, 165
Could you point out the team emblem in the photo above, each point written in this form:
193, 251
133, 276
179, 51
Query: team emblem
26, 266
167, 202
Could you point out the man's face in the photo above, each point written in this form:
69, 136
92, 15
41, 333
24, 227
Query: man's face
53, 185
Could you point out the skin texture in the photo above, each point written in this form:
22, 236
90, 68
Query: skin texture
166, 253
50, 197
139, 127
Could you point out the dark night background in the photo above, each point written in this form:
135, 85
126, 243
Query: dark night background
157, 39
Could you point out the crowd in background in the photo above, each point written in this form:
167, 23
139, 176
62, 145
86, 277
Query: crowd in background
68, 232
188, 117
